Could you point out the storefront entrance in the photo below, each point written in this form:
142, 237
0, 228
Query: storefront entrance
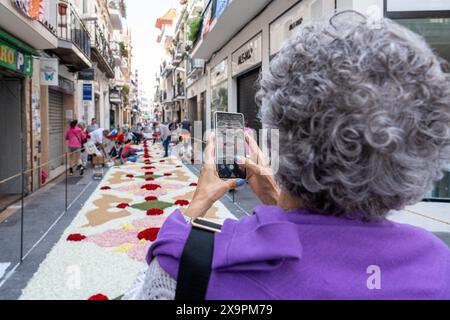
11, 91
56, 129
246, 91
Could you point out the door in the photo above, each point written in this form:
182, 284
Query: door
10, 134
56, 134
247, 88
192, 110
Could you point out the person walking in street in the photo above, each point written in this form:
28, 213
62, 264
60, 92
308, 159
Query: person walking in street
165, 136
362, 108
84, 155
93, 126
75, 138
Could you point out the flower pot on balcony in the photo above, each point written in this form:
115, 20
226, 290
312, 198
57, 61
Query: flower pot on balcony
62, 8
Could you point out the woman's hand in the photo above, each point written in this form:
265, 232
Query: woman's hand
210, 187
259, 174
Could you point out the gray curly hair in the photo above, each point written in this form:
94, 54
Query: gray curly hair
363, 114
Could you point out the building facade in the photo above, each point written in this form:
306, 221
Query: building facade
56, 65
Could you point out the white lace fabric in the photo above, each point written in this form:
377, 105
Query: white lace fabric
152, 284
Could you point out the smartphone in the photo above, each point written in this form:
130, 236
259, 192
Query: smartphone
230, 142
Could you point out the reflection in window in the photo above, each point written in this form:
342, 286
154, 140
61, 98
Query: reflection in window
437, 34
219, 98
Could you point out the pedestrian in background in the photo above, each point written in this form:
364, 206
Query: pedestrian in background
93, 126
84, 154
186, 124
165, 135
75, 138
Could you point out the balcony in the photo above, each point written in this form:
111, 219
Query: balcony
179, 91
233, 18
100, 50
125, 65
74, 43
116, 18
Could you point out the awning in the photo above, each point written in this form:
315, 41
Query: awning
166, 19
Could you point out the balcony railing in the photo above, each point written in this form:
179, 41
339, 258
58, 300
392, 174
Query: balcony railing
178, 89
100, 44
71, 28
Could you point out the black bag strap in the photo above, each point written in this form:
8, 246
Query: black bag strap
195, 266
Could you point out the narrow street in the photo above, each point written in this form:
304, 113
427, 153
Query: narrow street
107, 107
108, 238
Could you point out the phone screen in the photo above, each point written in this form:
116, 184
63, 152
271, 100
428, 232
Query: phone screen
230, 142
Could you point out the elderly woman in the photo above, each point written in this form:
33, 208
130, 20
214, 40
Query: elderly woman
363, 113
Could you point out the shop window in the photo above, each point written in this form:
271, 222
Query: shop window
219, 98
436, 33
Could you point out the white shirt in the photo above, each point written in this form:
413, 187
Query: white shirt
97, 136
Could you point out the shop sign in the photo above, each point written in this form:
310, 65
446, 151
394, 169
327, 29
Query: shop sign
87, 92
87, 75
417, 5
49, 72
219, 73
14, 59
114, 96
249, 55
31, 9
285, 26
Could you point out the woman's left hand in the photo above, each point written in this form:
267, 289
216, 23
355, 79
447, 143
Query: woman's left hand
210, 187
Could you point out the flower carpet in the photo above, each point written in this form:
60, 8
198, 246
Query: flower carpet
103, 250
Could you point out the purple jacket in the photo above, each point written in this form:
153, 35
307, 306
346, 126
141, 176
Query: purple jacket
297, 255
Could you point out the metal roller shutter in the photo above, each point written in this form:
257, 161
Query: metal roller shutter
56, 128
247, 87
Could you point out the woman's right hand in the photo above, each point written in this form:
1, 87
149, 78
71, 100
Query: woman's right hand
259, 174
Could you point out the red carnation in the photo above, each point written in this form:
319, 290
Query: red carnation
149, 173
105, 188
146, 168
182, 203
155, 212
149, 234
167, 174
193, 184
130, 176
76, 237
99, 297
151, 187
149, 179
123, 205
162, 161
151, 198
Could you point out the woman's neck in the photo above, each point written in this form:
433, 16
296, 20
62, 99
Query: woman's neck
288, 202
